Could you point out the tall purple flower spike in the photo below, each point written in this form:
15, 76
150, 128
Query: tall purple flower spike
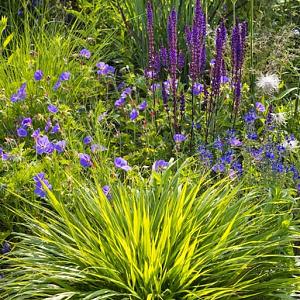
173, 59
196, 42
238, 49
218, 66
150, 30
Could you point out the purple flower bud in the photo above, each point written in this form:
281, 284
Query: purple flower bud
64, 76
87, 140
36, 133
120, 102
55, 128
134, 114
143, 105
5, 248
38, 75
52, 108
57, 85
106, 192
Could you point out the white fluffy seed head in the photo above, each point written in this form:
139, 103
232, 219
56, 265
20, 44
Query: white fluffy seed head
268, 83
279, 118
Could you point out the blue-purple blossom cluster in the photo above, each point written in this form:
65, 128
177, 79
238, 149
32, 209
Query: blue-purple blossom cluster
20, 94
64, 76
104, 69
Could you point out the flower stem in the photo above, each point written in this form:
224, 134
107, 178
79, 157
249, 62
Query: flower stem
252, 76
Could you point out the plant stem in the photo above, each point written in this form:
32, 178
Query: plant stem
234, 16
297, 102
193, 112
252, 77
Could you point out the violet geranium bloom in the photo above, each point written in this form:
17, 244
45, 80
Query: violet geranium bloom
179, 138
43, 145
20, 94
64, 76
85, 53
104, 69
22, 132
85, 160
60, 146
160, 165
121, 163
26, 122
260, 107
197, 89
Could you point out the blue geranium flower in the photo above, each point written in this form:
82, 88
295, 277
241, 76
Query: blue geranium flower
160, 165
20, 95
22, 132
179, 138
60, 146
26, 122
121, 163
43, 145
85, 160
85, 53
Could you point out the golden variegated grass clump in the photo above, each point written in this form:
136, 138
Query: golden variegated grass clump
174, 237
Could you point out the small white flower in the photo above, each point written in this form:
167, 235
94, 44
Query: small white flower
269, 83
279, 118
290, 145
296, 32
